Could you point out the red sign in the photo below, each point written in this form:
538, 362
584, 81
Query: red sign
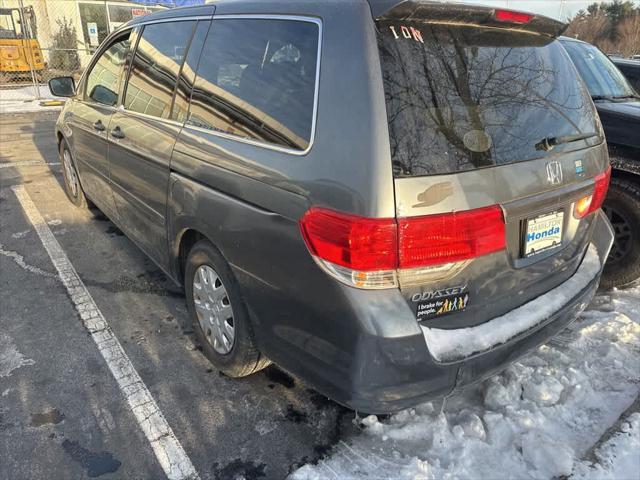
138, 12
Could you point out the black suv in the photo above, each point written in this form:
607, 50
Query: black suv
631, 70
618, 105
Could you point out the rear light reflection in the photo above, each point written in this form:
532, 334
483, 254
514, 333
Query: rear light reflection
375, 253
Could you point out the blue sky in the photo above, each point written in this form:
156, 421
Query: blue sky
560, 9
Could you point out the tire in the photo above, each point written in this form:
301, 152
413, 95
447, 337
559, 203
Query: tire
622, 207
72, 186
209, 276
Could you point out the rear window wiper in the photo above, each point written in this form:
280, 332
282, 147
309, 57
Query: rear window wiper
549, 142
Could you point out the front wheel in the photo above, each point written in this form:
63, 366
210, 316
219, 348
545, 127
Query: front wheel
72, 186
622, 207
218, 313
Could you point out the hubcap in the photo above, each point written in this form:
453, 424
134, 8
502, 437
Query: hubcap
213, 309
622, 241
72, 178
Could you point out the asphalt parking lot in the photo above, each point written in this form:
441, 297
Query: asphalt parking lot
63, 414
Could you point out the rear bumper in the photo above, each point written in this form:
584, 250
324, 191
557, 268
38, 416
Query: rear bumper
391, 370
385, 399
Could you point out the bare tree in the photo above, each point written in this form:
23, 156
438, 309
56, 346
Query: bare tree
612, 27
629, 31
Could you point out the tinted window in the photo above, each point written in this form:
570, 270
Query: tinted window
155, 67
632, 73
103, 80
188, 74
256, 80
460, 98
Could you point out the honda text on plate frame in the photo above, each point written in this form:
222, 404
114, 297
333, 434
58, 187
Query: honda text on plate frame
343, 191
543, 232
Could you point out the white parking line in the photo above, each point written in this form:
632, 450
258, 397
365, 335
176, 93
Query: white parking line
27, 163
169, 452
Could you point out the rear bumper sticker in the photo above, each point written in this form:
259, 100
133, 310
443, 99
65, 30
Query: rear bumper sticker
442, 306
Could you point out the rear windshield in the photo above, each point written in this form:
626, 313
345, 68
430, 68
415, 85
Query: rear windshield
462, 98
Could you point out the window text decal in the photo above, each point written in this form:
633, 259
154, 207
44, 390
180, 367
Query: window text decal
406, 32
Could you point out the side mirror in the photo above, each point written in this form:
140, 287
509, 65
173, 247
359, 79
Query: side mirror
104, 95
62, 86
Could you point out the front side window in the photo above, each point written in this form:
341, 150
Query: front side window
155, 67
632, 73
256, 80
460, 98
103, 80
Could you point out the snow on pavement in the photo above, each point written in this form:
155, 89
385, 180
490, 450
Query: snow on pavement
24, 98
27, 106
536, 420
618, 457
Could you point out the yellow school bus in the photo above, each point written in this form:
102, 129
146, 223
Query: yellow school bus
19, 48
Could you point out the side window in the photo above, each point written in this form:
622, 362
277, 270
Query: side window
155, 66
103, 80
188, 74
256, 80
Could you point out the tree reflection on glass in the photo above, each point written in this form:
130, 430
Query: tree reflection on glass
471, 97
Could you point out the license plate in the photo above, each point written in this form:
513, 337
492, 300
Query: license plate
543, 233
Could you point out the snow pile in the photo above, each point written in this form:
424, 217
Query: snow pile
450, 345
618, 458
536, 420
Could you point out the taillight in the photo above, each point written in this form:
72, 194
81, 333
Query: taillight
593, 202
450, 237
372, 253
350, 241
600, 189
512, 17
358, 251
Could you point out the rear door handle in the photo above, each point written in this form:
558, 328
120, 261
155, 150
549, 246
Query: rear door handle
117, 133
99, 126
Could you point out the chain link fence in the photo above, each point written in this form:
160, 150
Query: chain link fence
41, 39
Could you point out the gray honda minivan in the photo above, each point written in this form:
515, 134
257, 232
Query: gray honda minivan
387, 199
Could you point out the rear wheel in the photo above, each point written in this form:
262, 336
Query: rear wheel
218, 313
622, 207
72, 186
